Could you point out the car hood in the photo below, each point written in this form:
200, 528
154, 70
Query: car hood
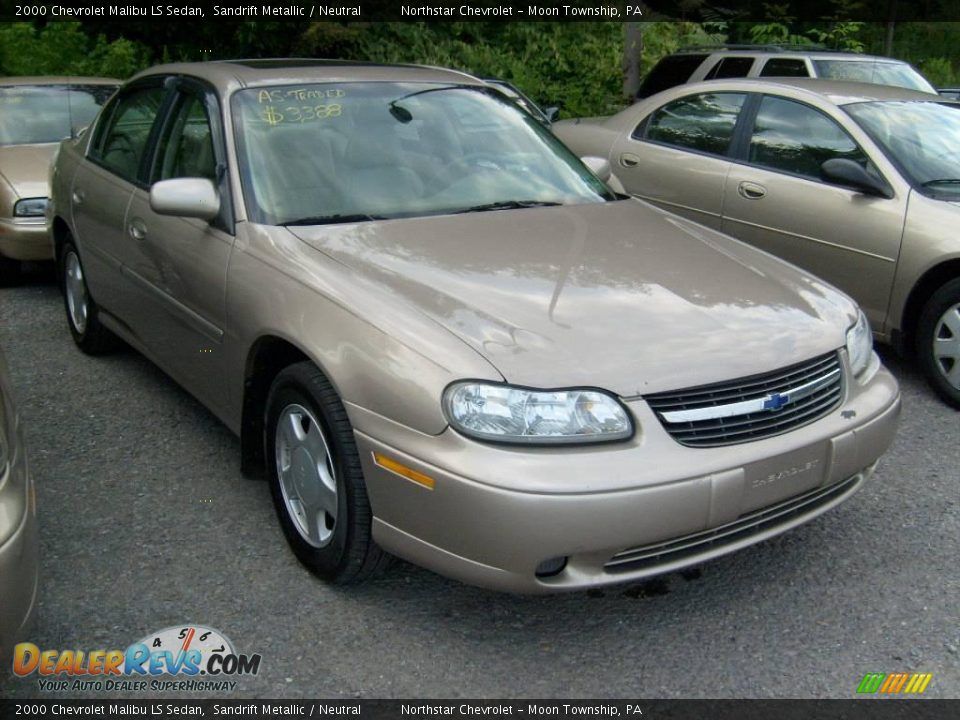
615, 295
27, 168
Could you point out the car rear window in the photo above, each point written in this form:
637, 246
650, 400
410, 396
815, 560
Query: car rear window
671, 71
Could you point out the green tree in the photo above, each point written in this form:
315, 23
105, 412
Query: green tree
62, 48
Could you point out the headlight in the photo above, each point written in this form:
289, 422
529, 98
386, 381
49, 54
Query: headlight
30, 207
859, 344
517, 415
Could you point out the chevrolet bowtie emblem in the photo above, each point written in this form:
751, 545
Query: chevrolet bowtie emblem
775, 401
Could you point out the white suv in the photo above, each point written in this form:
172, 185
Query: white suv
717, 62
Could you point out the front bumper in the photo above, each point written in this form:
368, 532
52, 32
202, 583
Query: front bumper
496, 512
25, 239
19, 555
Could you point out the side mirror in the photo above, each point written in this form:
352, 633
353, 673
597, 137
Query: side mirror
552, 113
598, 165
847, 173
185, 197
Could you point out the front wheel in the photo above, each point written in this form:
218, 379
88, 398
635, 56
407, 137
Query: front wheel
938, 342
315, 478
83, 315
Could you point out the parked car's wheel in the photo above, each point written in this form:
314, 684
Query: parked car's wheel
315, 477
938, 341
82, 312
9, 271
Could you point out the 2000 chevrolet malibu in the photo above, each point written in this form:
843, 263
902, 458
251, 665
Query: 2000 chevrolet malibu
442, 337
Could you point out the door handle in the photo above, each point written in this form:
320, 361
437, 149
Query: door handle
629, 160
751, 191
78, 197
136, 229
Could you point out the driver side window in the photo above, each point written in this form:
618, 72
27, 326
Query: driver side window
795, 138
186, 150
124, 138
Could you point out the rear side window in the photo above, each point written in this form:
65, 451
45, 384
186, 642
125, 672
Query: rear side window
784, 67
671, 71
121, 144
791, 137
702, 122
730, 67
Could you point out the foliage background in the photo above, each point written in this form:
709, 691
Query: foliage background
575, 65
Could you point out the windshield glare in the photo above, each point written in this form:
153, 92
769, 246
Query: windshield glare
873, 71
923, 138
34, 114
322, 152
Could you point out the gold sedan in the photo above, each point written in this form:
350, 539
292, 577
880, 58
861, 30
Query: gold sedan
857, 183
440, 335
36, 113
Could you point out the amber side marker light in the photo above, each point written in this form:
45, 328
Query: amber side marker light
403, 471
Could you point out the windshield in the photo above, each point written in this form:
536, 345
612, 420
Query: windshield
922, 138
878, 72
313, 154
33, 114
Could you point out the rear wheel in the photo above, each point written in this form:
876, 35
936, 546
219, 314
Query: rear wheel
315, 478
9, 271
938, 342
83, 315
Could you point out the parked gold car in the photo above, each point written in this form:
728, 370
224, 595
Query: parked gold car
18, 527
854, 182
443, 337
36, 113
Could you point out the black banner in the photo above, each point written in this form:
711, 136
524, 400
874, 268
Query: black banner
885, 709
476, 10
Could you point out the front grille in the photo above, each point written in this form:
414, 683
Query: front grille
751, 408
743, 527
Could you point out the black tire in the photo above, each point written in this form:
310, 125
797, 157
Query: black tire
9, 271
942, 373
90, 336
349, 554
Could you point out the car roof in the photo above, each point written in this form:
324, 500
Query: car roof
227, 74
818, 54
839, 92
56, 80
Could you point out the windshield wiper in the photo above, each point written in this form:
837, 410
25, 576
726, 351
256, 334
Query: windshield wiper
508, 205
941, 181
331, 219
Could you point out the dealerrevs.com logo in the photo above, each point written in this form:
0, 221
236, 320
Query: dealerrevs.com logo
200, 657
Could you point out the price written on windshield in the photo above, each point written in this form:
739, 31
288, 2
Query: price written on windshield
300, 114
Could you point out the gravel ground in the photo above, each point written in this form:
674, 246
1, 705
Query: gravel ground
146, 522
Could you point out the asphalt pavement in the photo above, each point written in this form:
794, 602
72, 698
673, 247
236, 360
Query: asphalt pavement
146, 522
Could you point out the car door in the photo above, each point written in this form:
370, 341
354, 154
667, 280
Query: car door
178, 268
103, 186
677, 157
776, 200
